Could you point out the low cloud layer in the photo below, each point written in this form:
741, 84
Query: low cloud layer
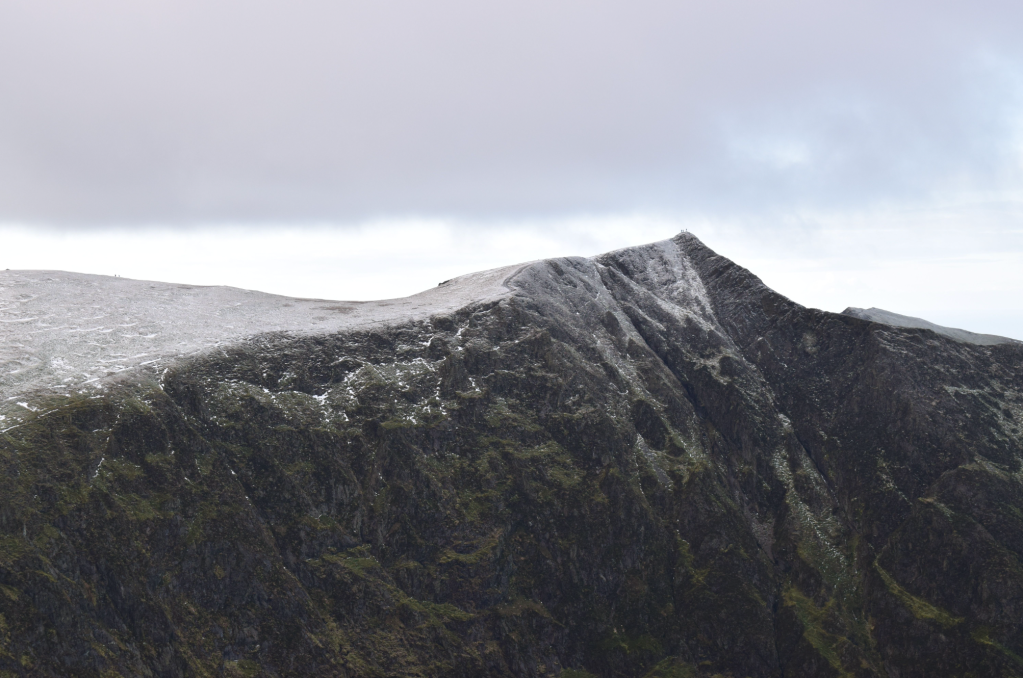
118, 112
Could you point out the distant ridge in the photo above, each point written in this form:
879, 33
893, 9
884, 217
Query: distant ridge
879, 315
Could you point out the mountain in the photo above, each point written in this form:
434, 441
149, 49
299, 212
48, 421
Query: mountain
645, 463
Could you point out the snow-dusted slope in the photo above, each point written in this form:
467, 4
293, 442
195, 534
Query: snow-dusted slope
61, 332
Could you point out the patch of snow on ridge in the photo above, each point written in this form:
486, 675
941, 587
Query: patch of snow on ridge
664, 266
57, 329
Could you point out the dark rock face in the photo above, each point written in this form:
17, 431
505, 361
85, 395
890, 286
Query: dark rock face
641, 464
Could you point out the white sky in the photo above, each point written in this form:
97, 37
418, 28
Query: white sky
864, 154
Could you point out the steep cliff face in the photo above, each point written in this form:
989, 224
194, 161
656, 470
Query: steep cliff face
642, 464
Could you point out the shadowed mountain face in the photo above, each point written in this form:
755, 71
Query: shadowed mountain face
641, 464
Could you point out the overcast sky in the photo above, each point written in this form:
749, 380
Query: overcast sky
866, 153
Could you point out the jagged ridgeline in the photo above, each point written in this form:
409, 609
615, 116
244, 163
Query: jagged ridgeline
641, 464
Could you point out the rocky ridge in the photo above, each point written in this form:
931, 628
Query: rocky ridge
645, 463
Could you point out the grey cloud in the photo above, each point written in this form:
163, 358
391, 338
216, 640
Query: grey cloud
117, 111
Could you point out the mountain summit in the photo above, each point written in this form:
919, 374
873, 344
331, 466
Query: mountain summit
644, 463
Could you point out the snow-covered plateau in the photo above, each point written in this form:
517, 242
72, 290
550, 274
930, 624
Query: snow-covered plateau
66, 332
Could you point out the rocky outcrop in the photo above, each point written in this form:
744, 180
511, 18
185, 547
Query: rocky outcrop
642, 464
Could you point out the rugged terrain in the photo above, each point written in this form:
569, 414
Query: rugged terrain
646, 463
